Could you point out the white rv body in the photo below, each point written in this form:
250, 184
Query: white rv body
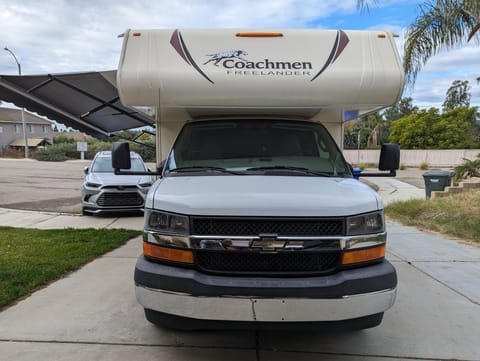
249, 95
327, 76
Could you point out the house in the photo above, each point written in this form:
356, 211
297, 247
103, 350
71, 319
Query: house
39, 130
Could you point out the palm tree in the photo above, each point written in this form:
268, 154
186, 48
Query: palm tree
441, 25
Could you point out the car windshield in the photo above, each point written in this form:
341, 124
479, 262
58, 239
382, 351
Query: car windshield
104, 165
256, 146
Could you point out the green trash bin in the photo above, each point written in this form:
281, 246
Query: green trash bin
437, 181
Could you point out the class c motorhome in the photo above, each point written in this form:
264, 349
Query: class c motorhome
256, 219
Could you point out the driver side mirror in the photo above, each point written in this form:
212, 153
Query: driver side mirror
121, 156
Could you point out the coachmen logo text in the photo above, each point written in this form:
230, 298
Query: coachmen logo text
235, 61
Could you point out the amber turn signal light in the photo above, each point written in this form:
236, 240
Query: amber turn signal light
363, 255
167, 254
259, 35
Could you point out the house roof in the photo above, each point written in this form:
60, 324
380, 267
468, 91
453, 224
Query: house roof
32, 142
9, 115
88, 102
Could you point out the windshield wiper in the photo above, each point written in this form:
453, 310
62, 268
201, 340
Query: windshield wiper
201, 168
295, 169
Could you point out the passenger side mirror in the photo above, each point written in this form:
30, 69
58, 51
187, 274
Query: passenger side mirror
85, 170
121, 156
389, 160
389, 157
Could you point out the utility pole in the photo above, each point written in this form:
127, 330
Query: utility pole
25, 138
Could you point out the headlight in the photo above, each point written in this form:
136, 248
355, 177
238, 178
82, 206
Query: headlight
93, 185
365, 223
167, 222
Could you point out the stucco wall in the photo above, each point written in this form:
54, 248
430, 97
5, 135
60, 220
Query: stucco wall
413, 158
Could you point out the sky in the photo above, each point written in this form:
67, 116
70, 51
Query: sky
63, 36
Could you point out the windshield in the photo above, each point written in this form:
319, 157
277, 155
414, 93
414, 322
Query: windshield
104, 165
253, 146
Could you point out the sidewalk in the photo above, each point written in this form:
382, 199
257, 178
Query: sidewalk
393, 190
50, 220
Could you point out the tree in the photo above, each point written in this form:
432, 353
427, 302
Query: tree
458, 95
400, 109
453, 129
442, 24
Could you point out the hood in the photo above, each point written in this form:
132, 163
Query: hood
278, 196
106, 179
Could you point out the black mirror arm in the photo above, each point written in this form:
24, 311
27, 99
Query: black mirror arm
128, 172
393, 173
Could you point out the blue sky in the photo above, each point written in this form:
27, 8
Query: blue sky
59, 36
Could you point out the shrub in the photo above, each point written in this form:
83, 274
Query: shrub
402, 167
55, 152
424, 166
469, 168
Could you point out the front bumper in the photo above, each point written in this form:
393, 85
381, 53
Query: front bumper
346, 295
112, 200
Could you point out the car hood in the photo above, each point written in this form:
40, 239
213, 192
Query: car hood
106, 179
263, 196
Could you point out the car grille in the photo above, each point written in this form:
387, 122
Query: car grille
117, 199
279, 226
288, 263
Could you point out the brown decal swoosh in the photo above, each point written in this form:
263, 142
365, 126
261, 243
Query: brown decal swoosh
179, 45
341, 41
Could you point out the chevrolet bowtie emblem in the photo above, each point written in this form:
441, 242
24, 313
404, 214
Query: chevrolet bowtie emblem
268, 243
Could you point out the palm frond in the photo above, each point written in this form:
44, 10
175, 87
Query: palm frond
441, 25
473, 32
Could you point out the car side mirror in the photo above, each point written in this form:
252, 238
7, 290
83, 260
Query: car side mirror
121, 156
85, 170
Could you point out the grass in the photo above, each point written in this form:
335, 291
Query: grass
456, 214
30, 258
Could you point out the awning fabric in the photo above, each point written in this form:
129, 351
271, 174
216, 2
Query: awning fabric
88, 102
32, 142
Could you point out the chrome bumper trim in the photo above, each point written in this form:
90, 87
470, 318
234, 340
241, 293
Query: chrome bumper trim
229, 308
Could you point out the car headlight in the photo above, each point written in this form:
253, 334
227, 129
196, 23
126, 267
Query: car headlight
93, 185
145, 184
365, 223
165, 222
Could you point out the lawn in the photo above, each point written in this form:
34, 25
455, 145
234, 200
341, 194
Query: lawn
456, 214
30, 258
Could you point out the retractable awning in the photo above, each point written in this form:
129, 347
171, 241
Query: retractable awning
88, 102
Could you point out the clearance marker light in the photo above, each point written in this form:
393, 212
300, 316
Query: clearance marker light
259, 35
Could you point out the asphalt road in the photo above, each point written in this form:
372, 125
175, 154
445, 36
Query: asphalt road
42, 186
55, 186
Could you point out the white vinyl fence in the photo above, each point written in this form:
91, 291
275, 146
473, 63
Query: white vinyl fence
413, 158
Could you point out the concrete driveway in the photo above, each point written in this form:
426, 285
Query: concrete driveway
92, 314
